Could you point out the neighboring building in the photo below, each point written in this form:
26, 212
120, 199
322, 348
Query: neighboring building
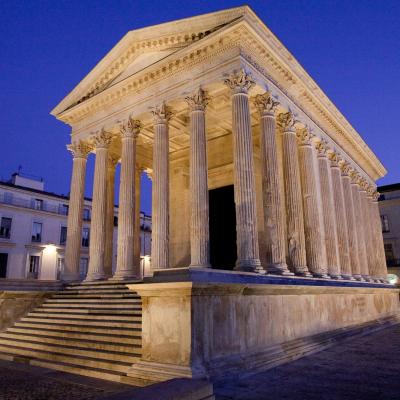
389, 208
33, 231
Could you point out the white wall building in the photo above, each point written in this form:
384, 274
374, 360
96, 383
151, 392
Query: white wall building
33, 231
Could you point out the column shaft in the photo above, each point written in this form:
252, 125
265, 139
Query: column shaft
160, 190
341, 222
75, 211
313, 224
244, 184
137, 235
272, 199
328, 211
108, 253
351, 223
367, 231
99, 209
294, 206
199, 214
126, 268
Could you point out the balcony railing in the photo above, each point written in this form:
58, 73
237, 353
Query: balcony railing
27, 203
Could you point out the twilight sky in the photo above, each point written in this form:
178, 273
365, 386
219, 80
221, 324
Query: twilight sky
350, 47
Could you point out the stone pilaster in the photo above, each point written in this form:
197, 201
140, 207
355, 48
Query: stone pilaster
359, 225
377, 226
294, 205
79, 152
126, 268
313, 223
160, 189
108, 253
137, 235
199, 208
341, 220
99, 208
328, 212
351, 223
272, 199
244, 182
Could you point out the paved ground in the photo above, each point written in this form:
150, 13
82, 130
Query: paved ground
366, 368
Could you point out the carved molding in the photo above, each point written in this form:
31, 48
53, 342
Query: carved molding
198, 101
265, 104
161, 113
79, 149
240, 82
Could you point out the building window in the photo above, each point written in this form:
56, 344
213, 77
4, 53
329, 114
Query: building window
63, 235
8, 198
60, 267
385, 223
37, 232
3, 265
85, 237
86, 214
64, 209
115, 220
38, 204
33, 272
5, 228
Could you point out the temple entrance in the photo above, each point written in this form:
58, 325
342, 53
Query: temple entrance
222, 228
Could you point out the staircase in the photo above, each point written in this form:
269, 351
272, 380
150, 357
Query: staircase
88, 329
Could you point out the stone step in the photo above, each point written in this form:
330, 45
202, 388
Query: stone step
75, 300
112, 306
85, 295
130, 318
106, 311
79, 328
109, 375
115, 324
82, 342
71, 351
66, 334
97, 287
70, 359
104, 283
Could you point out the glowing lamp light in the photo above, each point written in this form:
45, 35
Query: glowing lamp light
50, 248
393, 279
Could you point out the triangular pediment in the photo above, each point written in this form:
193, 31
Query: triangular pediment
141, 48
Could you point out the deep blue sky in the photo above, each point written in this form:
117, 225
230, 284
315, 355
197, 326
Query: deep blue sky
350, 47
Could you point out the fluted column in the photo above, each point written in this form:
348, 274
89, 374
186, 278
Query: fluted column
359, 225
381, 259
160, 194
79, 152
294, 205
351, 223
199, 209
137, 235
313, 224
99, 209
244, 184
272, 199
328, 212
108, 253
364, 206
126, 268
341, 220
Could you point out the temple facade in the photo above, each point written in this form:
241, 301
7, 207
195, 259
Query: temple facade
252, 166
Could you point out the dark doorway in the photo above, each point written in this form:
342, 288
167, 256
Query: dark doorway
3, 265
222, 228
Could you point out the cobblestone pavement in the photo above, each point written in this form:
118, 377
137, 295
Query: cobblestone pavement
366, 368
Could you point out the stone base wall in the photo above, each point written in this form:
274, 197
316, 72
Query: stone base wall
190, 327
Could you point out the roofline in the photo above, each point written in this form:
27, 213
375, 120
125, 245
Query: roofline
389, 188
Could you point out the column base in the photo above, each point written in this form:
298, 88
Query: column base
279, 269
358, 278
302, 271
251, 265
321, 275
336, 276
95, 277
124, 276
348, 277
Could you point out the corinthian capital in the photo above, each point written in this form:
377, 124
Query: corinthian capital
335, 159
354, 176
346, 169
102, 139
79, 149
304, 135
375, 195
240, 82
322, 148
198, 101
130, 128
286, 122
265, 104
161, 113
